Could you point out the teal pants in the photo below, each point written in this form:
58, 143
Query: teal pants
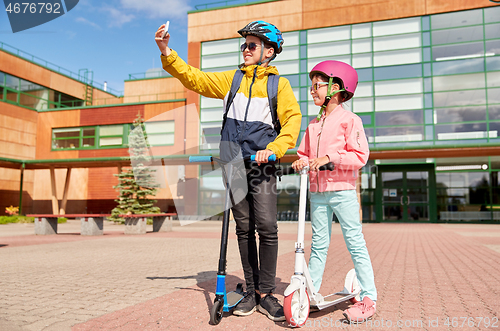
345, 205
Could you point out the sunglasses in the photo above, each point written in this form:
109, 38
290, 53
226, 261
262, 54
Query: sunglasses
251, 47
316, 86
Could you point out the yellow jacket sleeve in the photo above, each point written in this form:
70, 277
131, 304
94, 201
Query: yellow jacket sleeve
209, 84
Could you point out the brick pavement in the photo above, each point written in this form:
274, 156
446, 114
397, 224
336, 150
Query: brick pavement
425, 273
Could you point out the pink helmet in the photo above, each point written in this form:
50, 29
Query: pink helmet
340, 70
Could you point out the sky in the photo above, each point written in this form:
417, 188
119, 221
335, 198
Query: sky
112, 38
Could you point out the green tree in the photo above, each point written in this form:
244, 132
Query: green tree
136, 184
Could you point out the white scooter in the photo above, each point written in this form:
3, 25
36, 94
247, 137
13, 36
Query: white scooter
300, 296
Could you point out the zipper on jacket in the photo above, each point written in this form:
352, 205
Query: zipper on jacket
248, 105
317, 150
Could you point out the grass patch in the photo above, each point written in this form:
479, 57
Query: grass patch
16, 219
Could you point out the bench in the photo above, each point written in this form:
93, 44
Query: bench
92, 224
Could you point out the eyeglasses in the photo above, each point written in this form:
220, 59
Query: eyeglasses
251, 47
316, 86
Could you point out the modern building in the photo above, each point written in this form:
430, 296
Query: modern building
429, 98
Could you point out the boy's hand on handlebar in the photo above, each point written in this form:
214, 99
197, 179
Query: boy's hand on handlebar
262, 156
298, 165
162, 43
314, 164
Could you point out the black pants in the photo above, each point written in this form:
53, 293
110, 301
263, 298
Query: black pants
257, 213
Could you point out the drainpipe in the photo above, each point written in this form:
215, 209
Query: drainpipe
21, 190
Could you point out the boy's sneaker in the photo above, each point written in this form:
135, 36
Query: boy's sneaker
361, 311
270, 306
247, 305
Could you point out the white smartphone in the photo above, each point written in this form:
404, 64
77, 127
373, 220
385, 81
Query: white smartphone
165, 30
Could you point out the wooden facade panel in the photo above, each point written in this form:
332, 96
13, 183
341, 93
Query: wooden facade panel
16, 151
16, 112
110, 115
18, 67
101, 182
441, 6
349, 12
154, 90
108, 152
78, 188
17, 137
46, 122
103, 98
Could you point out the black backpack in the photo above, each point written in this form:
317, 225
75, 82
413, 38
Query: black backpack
272, 95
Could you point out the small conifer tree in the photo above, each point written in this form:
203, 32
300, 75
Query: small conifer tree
136, 184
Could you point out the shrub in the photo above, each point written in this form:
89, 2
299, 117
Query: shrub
16, 219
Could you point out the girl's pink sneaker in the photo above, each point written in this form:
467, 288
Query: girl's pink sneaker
361, 311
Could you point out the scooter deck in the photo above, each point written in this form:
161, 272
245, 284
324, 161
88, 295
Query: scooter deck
233, 298
333, 299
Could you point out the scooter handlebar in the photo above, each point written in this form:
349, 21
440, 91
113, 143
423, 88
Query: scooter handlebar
290, 171
200, 158
271, 158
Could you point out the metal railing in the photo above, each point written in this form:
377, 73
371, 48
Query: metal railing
146, 75
84, 78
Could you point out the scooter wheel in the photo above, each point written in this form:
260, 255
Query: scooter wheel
295, 315
352, 284
216, 312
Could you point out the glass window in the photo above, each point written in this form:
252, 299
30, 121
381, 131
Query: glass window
426, 23
401, 26
458, 66
163, 139
362, 61
494, 129
457, 19
364, 90
494, 95
88, 132
112, 141
493, 63
314, 61
66, 138
362, 105
211, 61
456, 52
159, 127
412, 40
210, 102
2, 78
492, 14
365, 75
328, 34
461, 131
401, 86
459, 98
12, 82
220, 46
492, 31
366, 119
336, 48
111, 130
492, 47
361, 30
287, 68
395, 72
292, 38
362, 46
460, 114
289, 53
400, 134
208, 115
12, 96
458, 82
399, 118
397, 57
400, 102
494, 112
459, 35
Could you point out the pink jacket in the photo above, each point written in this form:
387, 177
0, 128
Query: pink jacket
342, 138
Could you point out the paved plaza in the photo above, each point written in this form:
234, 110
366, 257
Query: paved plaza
428, 276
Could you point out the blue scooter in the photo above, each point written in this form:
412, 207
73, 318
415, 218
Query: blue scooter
224, 302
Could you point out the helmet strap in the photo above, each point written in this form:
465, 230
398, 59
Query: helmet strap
262, 54
328, 97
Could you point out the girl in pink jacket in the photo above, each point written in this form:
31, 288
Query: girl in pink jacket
337, 136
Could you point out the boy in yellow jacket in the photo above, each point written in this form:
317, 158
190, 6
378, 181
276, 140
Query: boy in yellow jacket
248, 125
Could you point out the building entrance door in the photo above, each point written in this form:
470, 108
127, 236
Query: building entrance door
406, 193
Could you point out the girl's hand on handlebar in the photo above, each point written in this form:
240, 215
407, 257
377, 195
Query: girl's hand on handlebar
262, 156
298, 165
314, 164
162, 43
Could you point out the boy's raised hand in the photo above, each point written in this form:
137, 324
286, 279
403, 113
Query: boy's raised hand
162, 43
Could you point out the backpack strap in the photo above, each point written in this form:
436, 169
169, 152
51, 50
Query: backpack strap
235, 85
272, 95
